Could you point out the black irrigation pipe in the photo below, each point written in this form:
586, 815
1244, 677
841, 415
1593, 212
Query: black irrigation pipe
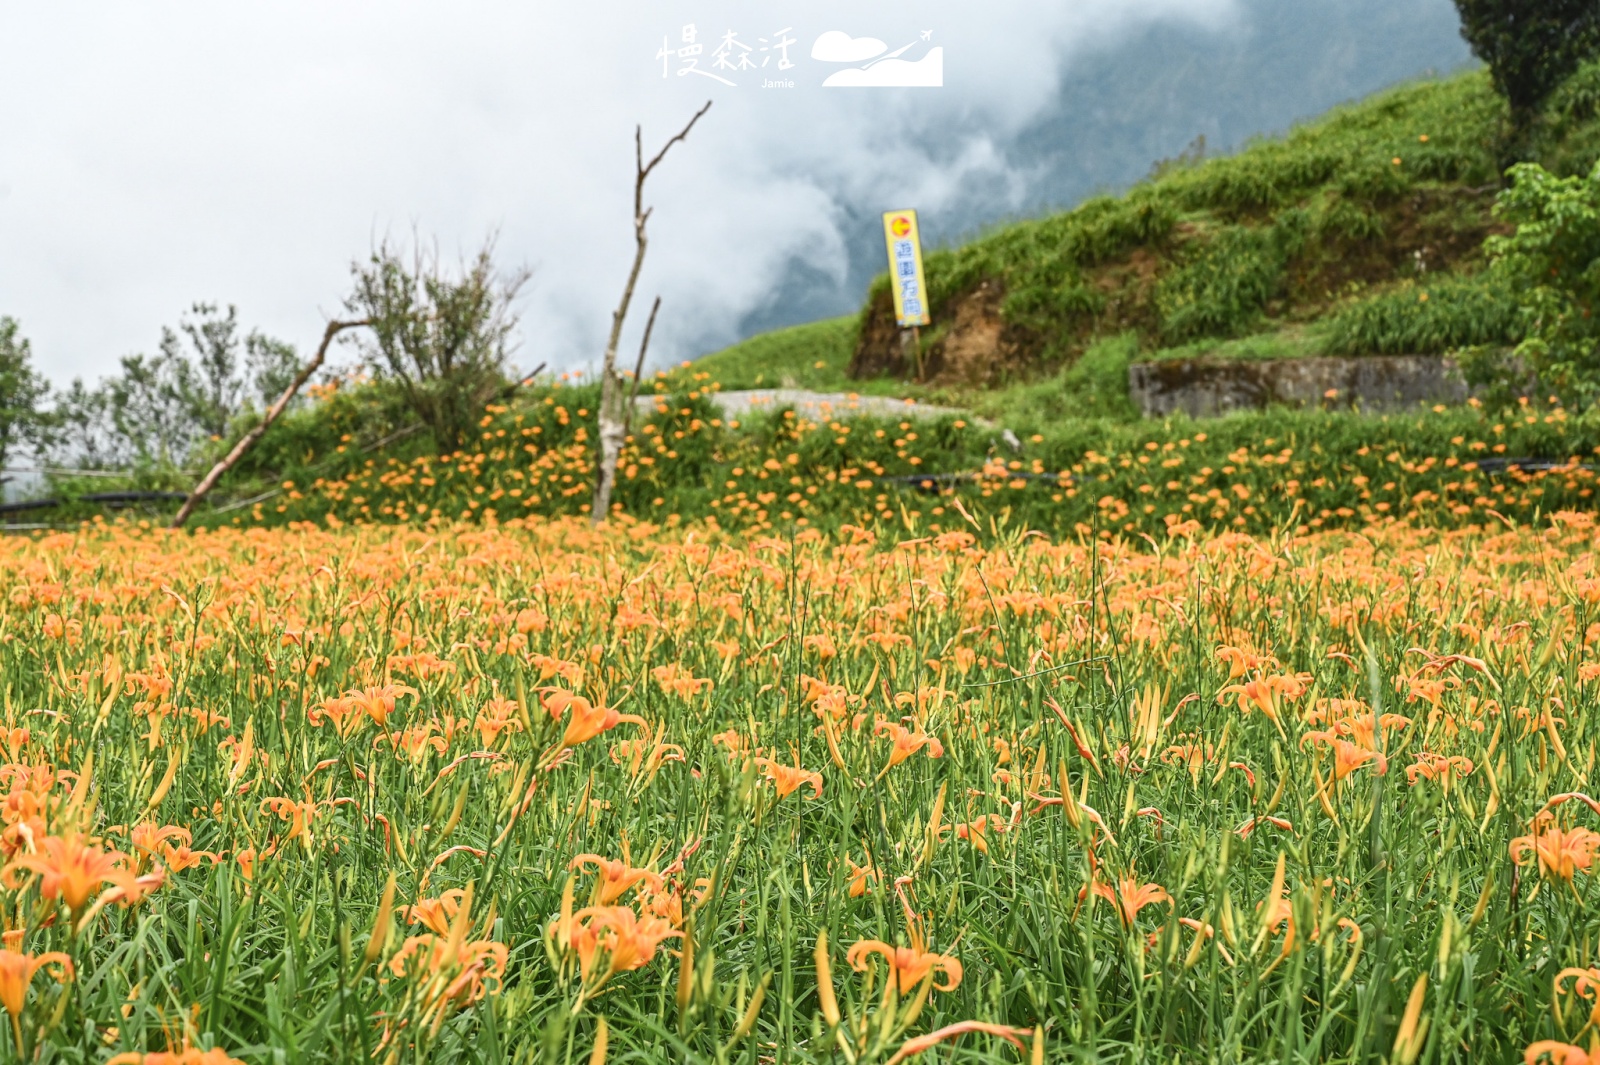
1498, 465
121, 499
113, 500
922, 482
27, 505
928, 482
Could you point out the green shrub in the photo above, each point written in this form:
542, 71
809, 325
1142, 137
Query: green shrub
1223, 288
1552, 262
1350, 220
1422, 318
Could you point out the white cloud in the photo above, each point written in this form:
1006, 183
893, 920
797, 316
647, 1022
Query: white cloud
836, 46
156, 154
924, 73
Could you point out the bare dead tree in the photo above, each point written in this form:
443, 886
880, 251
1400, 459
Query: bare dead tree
249, 439
613, 415
638, 369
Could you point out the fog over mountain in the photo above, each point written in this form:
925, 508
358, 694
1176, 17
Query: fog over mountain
157, 154
1117, 110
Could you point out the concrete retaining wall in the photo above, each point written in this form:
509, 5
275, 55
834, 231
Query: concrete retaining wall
1204, 387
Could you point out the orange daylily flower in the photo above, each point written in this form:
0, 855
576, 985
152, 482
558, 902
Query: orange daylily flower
188, 1055
786, 779
1347, 757
675, 680
555, 701
859, 875
1192, 756
300, 815
184, 857
437, 914
1439, 767
1240, 661
12, 740
909, 965
129, 889
67, 866
907, 742
1358, 727
378, 703
644, 755
498, 715
667, 903
456, 972
1561, 854
628, 941
148, 839
615, 877
976, 830
1585, 984
1130, 896
413, 744
1558, 1054
920, 1043
17, 971
588, 721
342, 712
735, 742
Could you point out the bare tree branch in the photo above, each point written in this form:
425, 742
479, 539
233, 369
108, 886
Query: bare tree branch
644, 171
613, 421
638, 368
249, 439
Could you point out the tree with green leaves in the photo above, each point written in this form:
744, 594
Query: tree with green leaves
160, 409
1530, 46
1552, 260
444, 339
21, 388
219, 371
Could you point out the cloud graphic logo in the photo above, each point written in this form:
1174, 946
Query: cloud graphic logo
924, 73
836, 46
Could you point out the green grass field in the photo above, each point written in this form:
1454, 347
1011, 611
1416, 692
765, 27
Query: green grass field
537, 793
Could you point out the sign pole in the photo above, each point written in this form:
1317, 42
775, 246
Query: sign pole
907, 284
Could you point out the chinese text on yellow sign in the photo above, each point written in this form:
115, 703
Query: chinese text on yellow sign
905, 268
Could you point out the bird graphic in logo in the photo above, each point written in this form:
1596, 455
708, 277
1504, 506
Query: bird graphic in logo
880, 68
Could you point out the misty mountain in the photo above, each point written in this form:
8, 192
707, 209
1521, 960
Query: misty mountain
1146, 98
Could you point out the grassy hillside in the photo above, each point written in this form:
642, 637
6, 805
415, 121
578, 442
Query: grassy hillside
809, 356
1360, 233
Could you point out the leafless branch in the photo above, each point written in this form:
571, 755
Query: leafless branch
249, 439
638, 368
644, 171
613, 421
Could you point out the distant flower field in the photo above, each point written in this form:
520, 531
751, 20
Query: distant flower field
1256, 473
539, 793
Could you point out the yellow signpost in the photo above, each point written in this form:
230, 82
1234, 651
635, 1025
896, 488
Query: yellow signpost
905, 269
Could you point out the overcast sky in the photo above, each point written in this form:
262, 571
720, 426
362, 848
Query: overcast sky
154, 153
